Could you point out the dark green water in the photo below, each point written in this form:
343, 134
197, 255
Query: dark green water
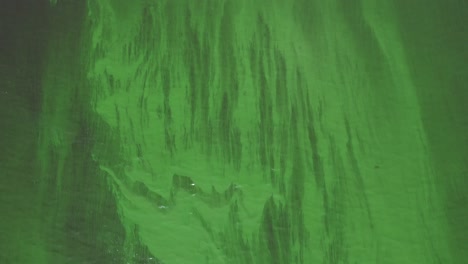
233, 132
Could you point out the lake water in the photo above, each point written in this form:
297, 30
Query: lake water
233, 132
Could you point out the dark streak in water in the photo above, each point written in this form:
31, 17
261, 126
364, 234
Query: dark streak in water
357, 173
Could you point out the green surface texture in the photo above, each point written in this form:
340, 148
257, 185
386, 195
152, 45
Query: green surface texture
234, 132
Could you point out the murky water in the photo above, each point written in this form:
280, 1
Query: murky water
234, 132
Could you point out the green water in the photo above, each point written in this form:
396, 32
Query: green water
243, 132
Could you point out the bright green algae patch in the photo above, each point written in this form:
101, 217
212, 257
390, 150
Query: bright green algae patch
296, 143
